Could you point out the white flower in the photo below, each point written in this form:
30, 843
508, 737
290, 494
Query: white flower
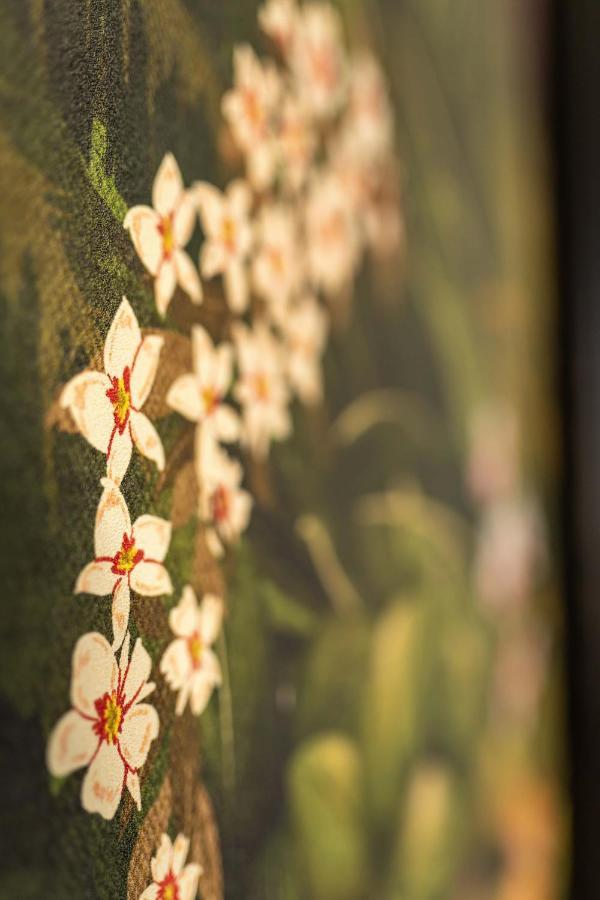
369, 117
159, 235
126, 557
510, 553
261, 388
494, 447
109, 729
296, 142
318, 61
332, 234
305, 332
106, 406
250, 109
223, 505
189, 664
279, 20
277, 264
199, 396
224, 218
172, 879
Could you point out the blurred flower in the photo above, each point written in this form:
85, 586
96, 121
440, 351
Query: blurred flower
277, 263
189, 664
279, 20
296, 143
109, 729
228, 234
318, 61
224, 505
305, 333
199, 396
261, 388
172, 879
369, 118
332, 234
106, 406
494, 447
250, 109
510, 553
160, 233
126, 557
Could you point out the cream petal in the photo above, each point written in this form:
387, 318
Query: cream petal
211, 668
133, 786
161, 862
122, 341
168, 186
182, 697
183, 618
202, 689
121, 603
143, 224
209, 201
184, 219
152, 535
103, 783
119, 454
94, 671
85, 397
176, 664
181, 848
224, 368
239, 197
150, 579
112, 521
147, 439
213, 259
151, 893
187, 276
211, 618
144, 368
164, 285
71, 744
138, 670
188, 881
227, 424
202, 350
140, 728
236, 287
96, 578
184, 397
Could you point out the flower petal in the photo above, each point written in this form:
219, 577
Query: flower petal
152, 535
188, 881
202, 689
236, 287
119, 455
140, 728
151, 892
184, 397
96, 578
85, 397
147, 439
209, 201
94, 671
211, 618
176, 664
151, 579
184, 219
122, 341
181, 848
168, 186
143, 225
112, 520
133, 786
144, 368
187, 276
161, 862
227, 424
103, 782
71, 745
183, 618
164, 285
138, 670
213, 259
239, 197
121, 603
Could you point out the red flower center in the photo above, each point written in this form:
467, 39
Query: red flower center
210, 399
220, 504
168, 889
194, 643
119, 395
165, 228
109, 708
127, 557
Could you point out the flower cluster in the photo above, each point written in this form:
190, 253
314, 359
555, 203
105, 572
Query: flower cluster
313, 132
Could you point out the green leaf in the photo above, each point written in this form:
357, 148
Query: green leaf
104, 184
325, 790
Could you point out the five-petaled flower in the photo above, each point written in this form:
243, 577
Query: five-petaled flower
189, 664
332, 232
159, 235
224, 506
318, 61
200, 395
106, 406
171, 878
109, 729
127, 557
224, 218
261, 388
